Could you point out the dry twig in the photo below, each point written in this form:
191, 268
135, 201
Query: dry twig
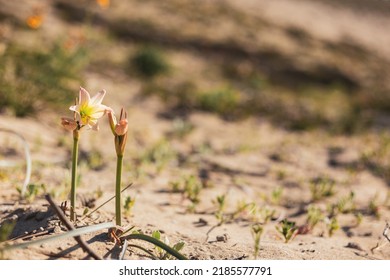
69, 226
385, 235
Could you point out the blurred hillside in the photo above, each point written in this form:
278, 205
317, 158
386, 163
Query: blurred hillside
301, 64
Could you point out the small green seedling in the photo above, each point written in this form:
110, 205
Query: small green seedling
314, 216
321, 188
159, 154
257, 231
245, 209
220, 202
346, 204
287, 229
190, 187
161, 253
281, 174
129, 204
266, 214
276, 195
374, 207
359, 218
332, 225
33, 190
149, 62
94, 160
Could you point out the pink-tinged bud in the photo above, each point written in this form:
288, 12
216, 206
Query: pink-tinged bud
121, 127
111, 120
69, 124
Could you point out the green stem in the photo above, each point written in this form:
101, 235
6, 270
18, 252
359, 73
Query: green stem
119, 163
156, 242
74, 176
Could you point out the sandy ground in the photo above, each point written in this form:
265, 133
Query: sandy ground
245, 161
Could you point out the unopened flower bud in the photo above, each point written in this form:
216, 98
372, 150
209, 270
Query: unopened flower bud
121, 127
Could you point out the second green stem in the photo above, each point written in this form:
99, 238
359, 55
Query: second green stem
119, 163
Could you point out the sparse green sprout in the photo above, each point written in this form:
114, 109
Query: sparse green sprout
160, 252
223, 101
359, 218
321, 188
374, 208
176, 186
94, 160
276, 195
129, 204
156, 234
33, 190
332, 225
244, 208
99, 192
287, 229
346, 204
190, 187
281, 174
150, 62
314, 216
159, 154
257, 231
221, 204
266, 214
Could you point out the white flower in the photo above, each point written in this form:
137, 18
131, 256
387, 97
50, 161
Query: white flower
89, 109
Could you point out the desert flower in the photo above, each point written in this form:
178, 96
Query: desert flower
87, 111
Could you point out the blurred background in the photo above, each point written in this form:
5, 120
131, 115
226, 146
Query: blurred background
280, 104
299, 64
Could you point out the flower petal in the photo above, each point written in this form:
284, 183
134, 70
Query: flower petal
75, 108
84, 97
98, 98
95, 127
69, 124
97, 115
98, 112
112, 120
121, 127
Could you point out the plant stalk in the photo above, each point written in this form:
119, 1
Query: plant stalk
118, 214
74, 175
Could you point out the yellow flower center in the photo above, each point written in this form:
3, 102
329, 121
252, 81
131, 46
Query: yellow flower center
85, 114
